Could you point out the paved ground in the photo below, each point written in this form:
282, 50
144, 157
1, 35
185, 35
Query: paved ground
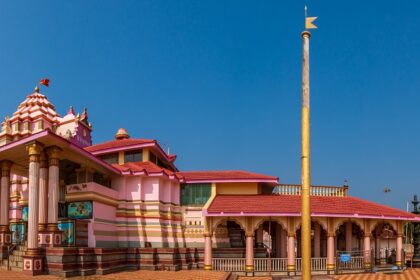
410, 274
132, 275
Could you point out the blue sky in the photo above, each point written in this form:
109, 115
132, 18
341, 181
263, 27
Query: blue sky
219, 82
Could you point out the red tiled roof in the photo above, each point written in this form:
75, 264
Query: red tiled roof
118, 144
291, 205
146, 167
225, 175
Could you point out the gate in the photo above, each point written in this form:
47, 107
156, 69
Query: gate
351, 261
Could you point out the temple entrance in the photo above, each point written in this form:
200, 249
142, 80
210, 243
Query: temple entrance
350, 253
236, 235
385, 244
272, 238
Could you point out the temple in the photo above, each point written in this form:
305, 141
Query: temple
69, 207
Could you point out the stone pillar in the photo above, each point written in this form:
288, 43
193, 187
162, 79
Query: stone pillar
349, 236
5, 235
33, 259
366, 249
330, 253
398, 261
43, 236
207, 252
291, 254
260, 236
249, 254
317, 240
53, 195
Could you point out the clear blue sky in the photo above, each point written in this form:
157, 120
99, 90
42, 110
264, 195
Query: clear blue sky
219, 82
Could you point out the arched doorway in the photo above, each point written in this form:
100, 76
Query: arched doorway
270, 240
318, 241
349, 238
385, 243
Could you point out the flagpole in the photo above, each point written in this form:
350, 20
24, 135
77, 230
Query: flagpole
305, 162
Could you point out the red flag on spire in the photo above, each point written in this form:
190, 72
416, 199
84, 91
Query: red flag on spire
45, 82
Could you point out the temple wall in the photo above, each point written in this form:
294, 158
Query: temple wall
237, 188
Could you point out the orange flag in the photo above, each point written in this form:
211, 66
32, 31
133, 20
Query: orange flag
45, 82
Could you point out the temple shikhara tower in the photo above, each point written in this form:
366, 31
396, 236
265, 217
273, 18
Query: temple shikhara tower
77, 208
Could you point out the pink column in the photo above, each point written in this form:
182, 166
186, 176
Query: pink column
249, 253
32, 260
366, 249
5, 236
349, 236
291, 254
317, 240
399, 251
330, 252
207, 252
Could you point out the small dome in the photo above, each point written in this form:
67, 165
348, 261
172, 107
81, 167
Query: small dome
122, 134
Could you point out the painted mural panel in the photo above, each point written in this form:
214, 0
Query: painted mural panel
67, 237
25, 213
80, 210
18, 232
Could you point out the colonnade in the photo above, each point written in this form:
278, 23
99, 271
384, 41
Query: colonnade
43, 188
289, 251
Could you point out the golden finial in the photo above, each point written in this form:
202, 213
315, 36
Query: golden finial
37, 89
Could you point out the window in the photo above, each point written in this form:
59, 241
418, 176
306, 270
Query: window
110, 158
153, 158
195, 194
134, 156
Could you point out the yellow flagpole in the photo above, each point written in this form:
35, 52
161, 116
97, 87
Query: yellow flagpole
305, 162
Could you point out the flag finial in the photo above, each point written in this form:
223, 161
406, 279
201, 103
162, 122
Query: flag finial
309, 21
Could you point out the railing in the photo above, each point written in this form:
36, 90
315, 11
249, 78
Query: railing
315, 190
270, 264
355, 263
298, 262
318, 264
228, 264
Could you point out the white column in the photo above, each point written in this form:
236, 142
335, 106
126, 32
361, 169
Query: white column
43, 193
33, 202
5, 186
5, 237
53, 187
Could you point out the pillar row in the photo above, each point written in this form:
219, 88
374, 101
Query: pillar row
5, 236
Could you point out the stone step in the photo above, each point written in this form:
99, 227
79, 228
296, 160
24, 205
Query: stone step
15, 258
18, 253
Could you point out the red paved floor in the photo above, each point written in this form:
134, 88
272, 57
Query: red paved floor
410, 274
